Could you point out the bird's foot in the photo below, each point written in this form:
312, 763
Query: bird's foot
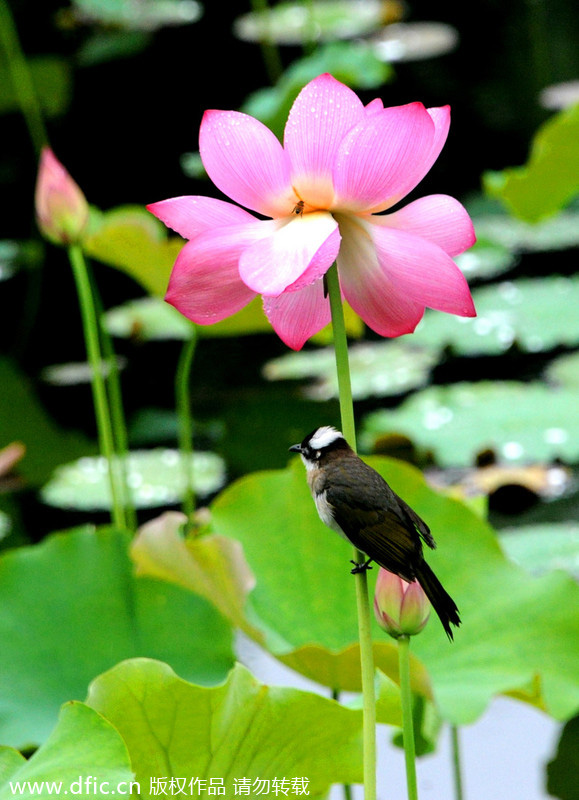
360, 567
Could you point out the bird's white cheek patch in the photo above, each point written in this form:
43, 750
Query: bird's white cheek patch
309, 465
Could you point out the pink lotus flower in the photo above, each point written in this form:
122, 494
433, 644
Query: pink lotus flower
61, 207
401, 608
341, 164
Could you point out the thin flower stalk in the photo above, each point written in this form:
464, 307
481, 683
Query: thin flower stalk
362, 601
185, 420
456, 766
117, 414
92, 340
19, 72
269, 49
407, 721
62, 214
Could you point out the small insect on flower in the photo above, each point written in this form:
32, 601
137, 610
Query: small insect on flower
299, 208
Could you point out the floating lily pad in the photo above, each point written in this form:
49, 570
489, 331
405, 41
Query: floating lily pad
148, 15
521, 422
548, 481
415, 41
322, 20
148, 318
486, 259
538, 314
557, 233
560, 95
156, 478
564, 371
14, 255
192, 165
541, 548
377, 369
110, 44
75, 373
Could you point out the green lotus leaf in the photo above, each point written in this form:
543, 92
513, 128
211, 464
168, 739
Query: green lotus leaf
47, 445
155, 478
82, 746
147, 15
146, 319
15, 255
71, 608
132, 240
485, 259
354, 63
210, 565
549, 180
564, 371
542, 548
552, 234
537, 314
521, 422
241, 730
377, 369
294, 23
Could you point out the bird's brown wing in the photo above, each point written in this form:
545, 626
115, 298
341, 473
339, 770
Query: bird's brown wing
376, 521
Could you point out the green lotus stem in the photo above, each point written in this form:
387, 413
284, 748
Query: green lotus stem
269, 50
90, 326
342, 361
363, 604
407, 722
346, 786
119, 426
17, 66
310, 37
457, 772
185, 419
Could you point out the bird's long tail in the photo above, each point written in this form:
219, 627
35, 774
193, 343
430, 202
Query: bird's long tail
441, 601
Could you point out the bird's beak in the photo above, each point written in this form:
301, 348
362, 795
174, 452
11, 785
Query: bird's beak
296, 448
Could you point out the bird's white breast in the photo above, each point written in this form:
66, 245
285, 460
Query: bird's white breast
325, 513
324, 509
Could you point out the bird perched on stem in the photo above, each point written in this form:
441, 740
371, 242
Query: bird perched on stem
355, 501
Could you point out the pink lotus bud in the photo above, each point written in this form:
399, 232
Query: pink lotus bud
401, 608
61, 207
